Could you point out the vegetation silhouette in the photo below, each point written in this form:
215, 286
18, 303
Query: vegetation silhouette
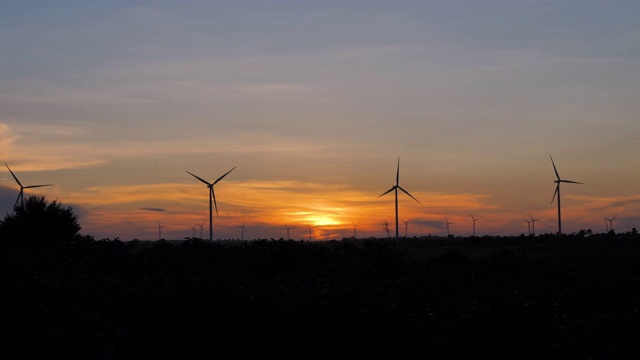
520, 297
39, 222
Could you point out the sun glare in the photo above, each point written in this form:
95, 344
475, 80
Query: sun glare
321, 220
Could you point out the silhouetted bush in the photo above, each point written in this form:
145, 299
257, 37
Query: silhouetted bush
40, 222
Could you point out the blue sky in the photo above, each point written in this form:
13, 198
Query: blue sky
317, 100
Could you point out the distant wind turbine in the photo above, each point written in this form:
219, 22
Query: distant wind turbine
533, 225
355, 232
193, 231
385, 226
557, 192
20, 198
212, 199
160, 231
606, 224
448, 223
406, 227
288, 228
309, 232
474, 224
611, 223
528, 225
242, 230
201, 228
395, 188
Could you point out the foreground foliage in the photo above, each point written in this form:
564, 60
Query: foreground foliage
285, 299
40, 222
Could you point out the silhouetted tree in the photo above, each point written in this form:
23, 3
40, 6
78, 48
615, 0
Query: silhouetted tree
39, 221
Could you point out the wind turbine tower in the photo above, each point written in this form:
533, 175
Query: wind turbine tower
448, 223
212, 199
20, 198
288, 228
474, 224
395, 189
201, 228
242, 231
406, 227
610, 223
557, 192
355, 231
529, 225
309, 232
533, 225
160, 231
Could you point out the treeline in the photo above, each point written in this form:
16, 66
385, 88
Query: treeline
286, 299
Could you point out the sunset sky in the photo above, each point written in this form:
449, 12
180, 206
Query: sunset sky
314, 101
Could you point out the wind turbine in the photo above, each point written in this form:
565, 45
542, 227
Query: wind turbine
385, 226
406, 227
557, 192
474, 224
20, 198
309, 232
201, 228
529, 225
193, 231
448, 223
610, 223
355, 232
606, 225
160, 231
242, 227
212, 199
395, 188
288, 228
533, 225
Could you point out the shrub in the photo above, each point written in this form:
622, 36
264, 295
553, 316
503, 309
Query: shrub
39, 221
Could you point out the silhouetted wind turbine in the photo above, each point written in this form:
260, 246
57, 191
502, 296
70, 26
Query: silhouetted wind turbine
20, 198
528, 224
193, 231
606, 225
288, 228
309, 232
448, 223
201, 228
557, 192
474, 224
385, 226
355, 232
610, 223
242, 227
533, 225
212, 199
395, 188
160, 231
406, 227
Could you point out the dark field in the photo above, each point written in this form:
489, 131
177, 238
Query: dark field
519, 297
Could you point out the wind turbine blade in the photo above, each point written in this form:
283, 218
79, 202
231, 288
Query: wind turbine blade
554, 167
12, 174
213, 194
555, 192
225, 174
388, 191
398, 173
571, 182
36, 186
406, 192
613, 218
199, 178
